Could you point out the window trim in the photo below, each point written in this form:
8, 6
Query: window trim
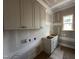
72, 22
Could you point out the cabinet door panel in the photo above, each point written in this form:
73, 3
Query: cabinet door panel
37, 17
55, 41
52, 45
11, 14
26, 12
43, 17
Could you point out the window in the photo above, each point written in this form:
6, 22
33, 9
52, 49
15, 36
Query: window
68, 22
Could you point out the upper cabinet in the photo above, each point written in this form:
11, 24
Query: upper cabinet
11, 14
36, 15
39, 15
23, 14
42, 16
26, 14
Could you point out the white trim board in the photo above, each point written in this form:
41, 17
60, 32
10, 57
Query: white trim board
66, 45
67, 39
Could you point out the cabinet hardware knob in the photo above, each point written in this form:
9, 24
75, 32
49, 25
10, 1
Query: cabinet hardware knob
23, 27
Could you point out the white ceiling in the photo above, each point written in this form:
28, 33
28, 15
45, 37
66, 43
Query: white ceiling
56, 5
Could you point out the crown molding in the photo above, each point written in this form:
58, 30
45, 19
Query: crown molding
61, 3
60, 6
43, 4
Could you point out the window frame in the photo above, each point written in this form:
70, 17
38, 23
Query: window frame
72, 23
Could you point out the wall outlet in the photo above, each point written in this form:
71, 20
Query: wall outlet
23, 41
29, 40
35, 38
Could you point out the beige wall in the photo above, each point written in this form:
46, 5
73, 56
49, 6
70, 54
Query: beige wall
57, 18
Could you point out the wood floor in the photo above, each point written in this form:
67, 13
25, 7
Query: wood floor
42, 55
68, 53
61, 53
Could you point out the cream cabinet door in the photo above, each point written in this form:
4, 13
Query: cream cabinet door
26, 14
11, 14
55, 41
52, 45
43, 17
36, 15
